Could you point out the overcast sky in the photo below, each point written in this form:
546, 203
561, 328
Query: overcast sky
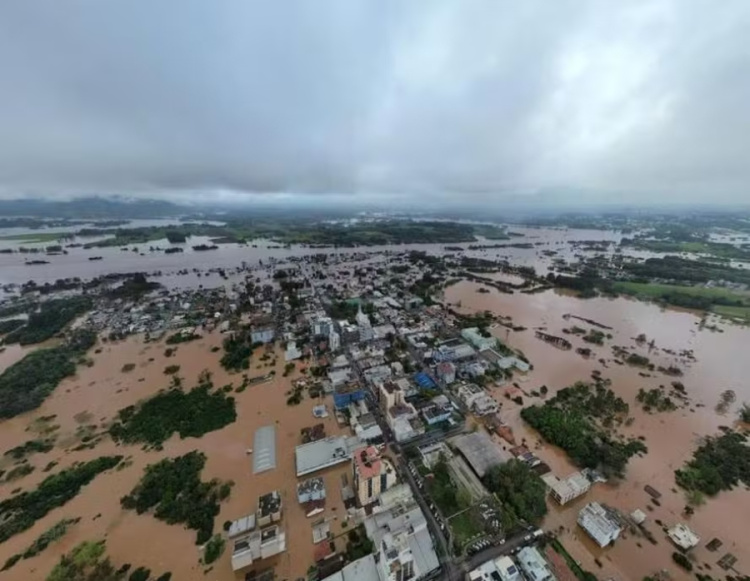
384, 100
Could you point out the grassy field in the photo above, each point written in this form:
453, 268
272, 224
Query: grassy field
737, 313
652, 290
465, 527
34, 237
659, 291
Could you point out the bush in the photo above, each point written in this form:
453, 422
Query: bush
682, 561
214, 549
171, 369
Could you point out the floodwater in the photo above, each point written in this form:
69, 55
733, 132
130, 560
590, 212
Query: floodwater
720, 364
96, 394
14, 270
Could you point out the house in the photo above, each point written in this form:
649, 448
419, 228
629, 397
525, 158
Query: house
401, 416
563, 491
373, 474
250, 544
476, 399
534, 565
347, 393
682, 536
446, 372
599, 524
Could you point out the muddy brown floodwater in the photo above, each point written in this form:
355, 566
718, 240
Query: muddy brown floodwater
96, 394
721, 363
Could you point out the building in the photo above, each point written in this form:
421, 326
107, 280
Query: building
334, 341
453, 350
264, 334
322, 327
682, 536
446, 372
269, 509
599, 524
366, 332
292, 352
506, 363
534, 565
311, 490
347, 393
401, 416
563, 491
402, 541
250, 544
436, 413
323, 453
476, 399
373, 475
364, 569
349, 333
479, 451
500, 569
479, 341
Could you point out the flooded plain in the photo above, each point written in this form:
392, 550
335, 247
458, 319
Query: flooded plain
94, 396
719, 364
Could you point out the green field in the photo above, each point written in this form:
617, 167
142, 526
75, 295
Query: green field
465, 527
34, 237
738, 313
653, 290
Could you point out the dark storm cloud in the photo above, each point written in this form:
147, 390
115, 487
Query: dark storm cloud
376, 98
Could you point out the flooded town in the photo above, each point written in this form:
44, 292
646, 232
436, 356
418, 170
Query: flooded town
501, 408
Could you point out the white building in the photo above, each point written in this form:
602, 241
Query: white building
398, 530
534, 565
366, 332
599, 524
334, 341
563, 491
500, 569
473, 336
262, 334
477, 399
682, 536
446, 372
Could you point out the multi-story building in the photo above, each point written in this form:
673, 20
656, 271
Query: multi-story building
251, 544
599, 524
476, 399
322, 327
563, 491
446, 372
373, 474
398, 530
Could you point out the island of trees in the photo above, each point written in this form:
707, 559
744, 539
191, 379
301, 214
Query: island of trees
719, 463
172, 488
580, 420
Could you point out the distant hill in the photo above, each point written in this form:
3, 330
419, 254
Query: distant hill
93, 207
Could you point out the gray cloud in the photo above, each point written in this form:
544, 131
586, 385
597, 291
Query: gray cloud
418, 100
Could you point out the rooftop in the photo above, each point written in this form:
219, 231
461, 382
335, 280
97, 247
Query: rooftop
324, 453
242, 525
480, 451
269, 503
367, 461
264, 449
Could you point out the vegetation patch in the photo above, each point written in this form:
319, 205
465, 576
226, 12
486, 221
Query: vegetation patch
520, 489
48, 537
51, 318
719, 463
580, 420
10, 325
189, 414
21, 511
173, 490
30, 447
214, 549
237, 353
655, 400
88, 562
25, 384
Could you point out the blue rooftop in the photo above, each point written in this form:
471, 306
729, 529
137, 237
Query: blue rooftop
424, 381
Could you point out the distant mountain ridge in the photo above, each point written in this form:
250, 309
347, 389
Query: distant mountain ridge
91, 207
